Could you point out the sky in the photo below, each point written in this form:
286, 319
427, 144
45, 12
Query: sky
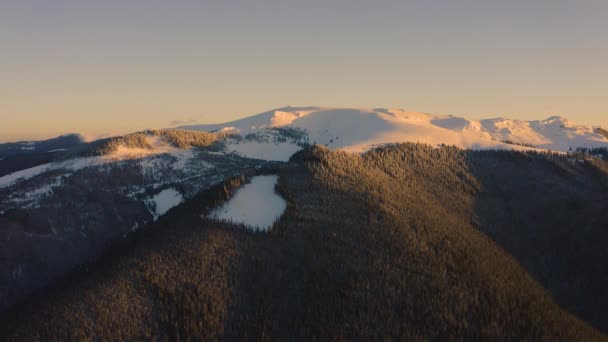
109, 67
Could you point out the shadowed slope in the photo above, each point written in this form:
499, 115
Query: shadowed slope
552, 215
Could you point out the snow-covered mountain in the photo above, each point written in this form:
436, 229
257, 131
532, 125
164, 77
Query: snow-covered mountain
68, 201
68, 210
555, 133
358, 130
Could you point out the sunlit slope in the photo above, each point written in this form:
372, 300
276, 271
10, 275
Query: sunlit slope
360, 129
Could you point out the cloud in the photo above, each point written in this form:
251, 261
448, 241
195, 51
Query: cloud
183, 122
92, 136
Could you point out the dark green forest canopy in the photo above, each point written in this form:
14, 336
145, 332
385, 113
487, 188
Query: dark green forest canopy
405, 241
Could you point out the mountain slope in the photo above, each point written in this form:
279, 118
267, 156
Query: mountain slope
551, 214
48, 146
58, 215
555, 133
382, 245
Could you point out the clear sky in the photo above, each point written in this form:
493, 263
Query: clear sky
112, 66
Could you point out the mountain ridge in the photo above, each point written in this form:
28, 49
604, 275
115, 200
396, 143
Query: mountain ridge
372, 127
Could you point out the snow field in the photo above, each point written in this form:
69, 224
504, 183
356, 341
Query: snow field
256, 204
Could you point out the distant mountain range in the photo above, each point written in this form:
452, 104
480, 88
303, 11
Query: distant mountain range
358, 130
25, 154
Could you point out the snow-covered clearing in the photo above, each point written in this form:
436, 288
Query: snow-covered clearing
71, 165
256, 204
23, 174
165, 200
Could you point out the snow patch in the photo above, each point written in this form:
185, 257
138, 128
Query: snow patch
70, 165
183, 157
23, 174
256, 204
165, 200
283, 118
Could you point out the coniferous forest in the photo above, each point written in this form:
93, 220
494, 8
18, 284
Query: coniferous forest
402, 242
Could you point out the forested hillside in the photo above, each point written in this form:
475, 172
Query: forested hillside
405, 241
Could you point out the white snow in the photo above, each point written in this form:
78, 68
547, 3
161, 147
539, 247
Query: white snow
358, 130
274, 118
183, 157
33, 197
166, 200
70, 164
256, 204
23, 174
79, 163
58, 150
555, 133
